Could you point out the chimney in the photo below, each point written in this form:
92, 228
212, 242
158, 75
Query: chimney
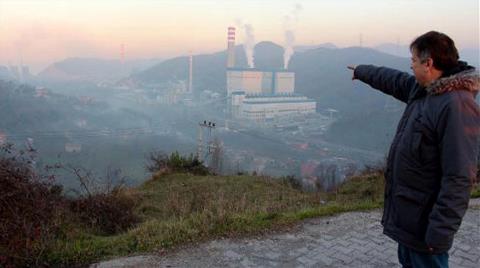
231, 47
190, 73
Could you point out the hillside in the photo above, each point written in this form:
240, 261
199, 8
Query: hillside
208, 70
322, 74
470, 55
93, 69
367, 118
179, 209
180, 203
111, 138
371, 130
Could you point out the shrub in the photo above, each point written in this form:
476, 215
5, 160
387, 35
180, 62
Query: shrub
293, 182
101, 207
31, 207
161, 162
34, 213
157, 162
105, 213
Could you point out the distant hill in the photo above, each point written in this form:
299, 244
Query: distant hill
394, 49
470, 55
304, 48
208, 70
268, 55
322, 74
109, 136
366, 117
93, 69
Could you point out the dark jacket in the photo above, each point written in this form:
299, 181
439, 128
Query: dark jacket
433, 158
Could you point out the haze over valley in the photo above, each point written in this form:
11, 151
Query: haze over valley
285, 106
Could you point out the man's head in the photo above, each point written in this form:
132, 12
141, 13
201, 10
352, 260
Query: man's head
432, 54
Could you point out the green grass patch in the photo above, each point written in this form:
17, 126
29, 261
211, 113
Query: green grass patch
475, 191
179, 209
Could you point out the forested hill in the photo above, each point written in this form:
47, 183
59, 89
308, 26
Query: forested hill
322, 74
208, 70
25, 109
93, 69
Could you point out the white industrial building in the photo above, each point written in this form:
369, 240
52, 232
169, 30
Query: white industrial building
253, 81
262, 94
261, 108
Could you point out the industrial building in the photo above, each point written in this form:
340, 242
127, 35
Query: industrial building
253, 81
261, 95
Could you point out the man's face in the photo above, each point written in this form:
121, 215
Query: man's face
420, 68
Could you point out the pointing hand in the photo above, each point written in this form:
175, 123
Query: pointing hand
352, 67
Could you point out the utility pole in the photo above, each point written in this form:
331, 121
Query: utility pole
200, 142
210, 144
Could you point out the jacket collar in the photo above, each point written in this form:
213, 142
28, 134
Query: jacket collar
467, 79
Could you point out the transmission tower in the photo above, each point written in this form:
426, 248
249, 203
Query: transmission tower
206, 147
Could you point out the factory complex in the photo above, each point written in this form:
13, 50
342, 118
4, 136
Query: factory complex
262, 95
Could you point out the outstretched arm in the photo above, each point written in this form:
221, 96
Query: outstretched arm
390, 81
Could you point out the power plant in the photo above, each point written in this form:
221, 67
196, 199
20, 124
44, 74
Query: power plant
262, 95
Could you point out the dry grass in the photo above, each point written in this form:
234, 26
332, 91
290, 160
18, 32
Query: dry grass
182, 195
181, 208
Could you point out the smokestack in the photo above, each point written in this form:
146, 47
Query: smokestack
190, 73
231, 47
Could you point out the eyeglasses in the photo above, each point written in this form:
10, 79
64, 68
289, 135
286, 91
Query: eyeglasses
415, 60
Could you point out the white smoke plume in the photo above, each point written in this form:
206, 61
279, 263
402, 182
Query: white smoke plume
249, 44
249, 41
290, 24
289, 41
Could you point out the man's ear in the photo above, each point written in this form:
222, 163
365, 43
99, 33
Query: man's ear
429, 63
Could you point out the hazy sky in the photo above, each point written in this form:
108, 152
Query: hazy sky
38, 32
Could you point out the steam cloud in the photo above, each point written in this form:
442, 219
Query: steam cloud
249, 41
290, 25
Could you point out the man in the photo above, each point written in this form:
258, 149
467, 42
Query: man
433, 157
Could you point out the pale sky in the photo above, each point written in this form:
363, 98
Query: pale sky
39, 32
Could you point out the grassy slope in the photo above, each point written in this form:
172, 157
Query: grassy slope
181, 208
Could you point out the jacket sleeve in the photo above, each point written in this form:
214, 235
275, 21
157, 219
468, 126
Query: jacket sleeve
459, 131
390, 81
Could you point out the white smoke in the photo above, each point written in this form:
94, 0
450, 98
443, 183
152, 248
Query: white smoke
249, 41
289, 41
290, 24
249, 44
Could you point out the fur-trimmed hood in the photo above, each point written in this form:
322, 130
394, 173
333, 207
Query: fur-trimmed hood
466, 80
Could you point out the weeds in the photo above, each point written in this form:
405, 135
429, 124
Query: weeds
159, 162
168, 210
31, 209
35, 214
